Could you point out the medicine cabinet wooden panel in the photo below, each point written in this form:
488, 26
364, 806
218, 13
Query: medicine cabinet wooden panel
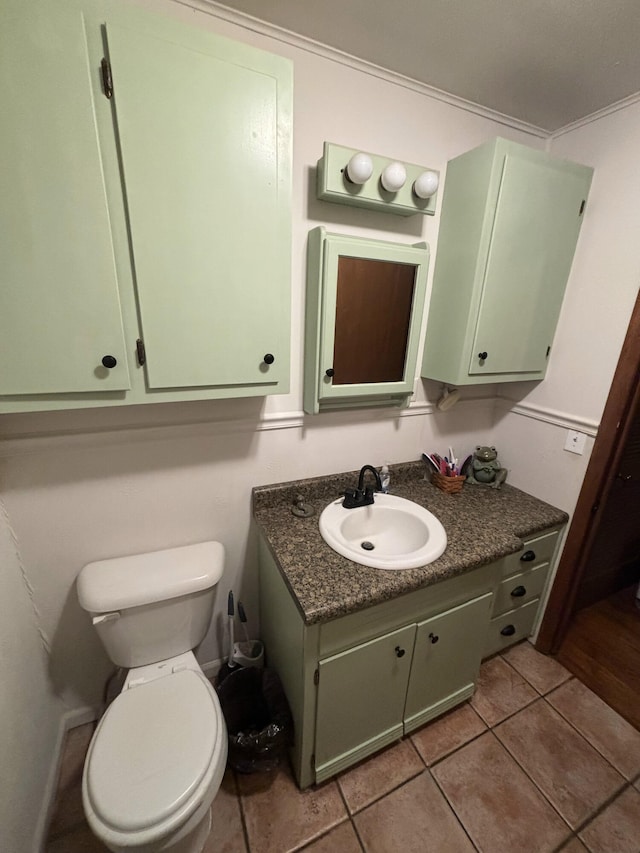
365, 300
154, 205
510, 222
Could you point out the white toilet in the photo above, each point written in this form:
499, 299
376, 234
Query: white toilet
158, 755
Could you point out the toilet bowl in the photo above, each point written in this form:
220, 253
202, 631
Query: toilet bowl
158, 755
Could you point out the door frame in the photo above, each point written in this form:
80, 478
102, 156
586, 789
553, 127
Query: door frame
602, 470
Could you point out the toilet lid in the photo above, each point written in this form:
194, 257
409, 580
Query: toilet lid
151, 751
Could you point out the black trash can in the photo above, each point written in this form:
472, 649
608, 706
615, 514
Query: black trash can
258, 719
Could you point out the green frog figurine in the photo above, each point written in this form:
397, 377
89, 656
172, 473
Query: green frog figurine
484, 468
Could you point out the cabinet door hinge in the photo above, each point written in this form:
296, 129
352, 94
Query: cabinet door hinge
548, 351
582, 206
316, 677
107, 81
313, 763
140, 351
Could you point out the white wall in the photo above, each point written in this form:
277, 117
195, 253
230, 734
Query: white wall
119, 491
30, 714
81, 486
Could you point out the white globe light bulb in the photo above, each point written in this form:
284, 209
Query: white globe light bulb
426, 184
393, 177
359, 168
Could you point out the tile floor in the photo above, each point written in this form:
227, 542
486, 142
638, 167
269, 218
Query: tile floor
534, 762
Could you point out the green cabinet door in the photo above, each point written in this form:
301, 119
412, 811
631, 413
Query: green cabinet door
361, 695
59, 303
510, 221
446, 660
535, 229
204, 129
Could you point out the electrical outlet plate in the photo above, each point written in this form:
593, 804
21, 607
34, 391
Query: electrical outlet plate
575, 442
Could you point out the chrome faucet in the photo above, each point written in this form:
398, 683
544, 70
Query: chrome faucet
362, 496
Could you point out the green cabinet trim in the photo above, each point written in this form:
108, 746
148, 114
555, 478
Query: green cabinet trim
510, 222
163, 213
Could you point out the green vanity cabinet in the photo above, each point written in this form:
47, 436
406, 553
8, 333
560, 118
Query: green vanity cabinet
519, 590
148, 200
361, 681
510, 221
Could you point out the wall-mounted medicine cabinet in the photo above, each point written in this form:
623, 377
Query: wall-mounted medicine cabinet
365, 301
510, 221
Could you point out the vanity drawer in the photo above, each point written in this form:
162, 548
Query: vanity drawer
536, 550
520, 589
510, 627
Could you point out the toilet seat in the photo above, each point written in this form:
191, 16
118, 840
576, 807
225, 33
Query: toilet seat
153, 758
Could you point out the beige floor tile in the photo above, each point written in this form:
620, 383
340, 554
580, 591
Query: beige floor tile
442, 736
541, 671
500, 691
376, 776
570, 773
342, 839
574, 846
498, 805
603, 727
67, 811
415, 818
79, 840
227, 835
617, 828
279, 817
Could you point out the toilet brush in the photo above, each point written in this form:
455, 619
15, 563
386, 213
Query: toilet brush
230, 613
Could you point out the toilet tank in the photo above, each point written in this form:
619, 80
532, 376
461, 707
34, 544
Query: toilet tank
153, 606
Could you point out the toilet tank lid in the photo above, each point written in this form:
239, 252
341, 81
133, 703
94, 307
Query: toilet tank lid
132, 581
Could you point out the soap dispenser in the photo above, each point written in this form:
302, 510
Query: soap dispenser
385, 478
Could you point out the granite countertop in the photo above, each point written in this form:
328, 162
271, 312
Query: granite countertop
482, 524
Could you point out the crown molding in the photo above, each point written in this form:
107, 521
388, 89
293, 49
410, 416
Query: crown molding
261, 27
599, 114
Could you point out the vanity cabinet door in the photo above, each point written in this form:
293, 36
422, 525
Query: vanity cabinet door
361, 696
446, 660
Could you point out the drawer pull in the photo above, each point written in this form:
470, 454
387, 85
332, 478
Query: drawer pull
508, 631
519, 591
528, 556
433, 637
399, 652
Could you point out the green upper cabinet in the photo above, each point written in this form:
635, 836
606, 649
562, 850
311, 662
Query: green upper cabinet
510, 222
365, 301
59, 304
149, 207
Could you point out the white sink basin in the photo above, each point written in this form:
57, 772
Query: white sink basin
391, 533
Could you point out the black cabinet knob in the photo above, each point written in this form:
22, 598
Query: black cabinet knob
508, 631
399, 652
269, 359
433, 637
109, 361
329, 372
518, 592
528, 557
483, 355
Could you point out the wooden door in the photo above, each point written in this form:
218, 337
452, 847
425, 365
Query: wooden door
614, 558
